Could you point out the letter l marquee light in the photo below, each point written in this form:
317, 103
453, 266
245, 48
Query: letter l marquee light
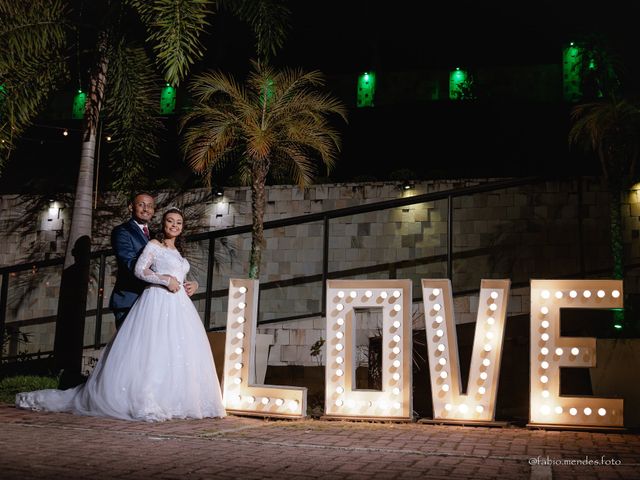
479, 403
550, 351
240, 397
342, 399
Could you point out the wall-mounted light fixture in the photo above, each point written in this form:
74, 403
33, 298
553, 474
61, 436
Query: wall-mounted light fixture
217, 190
52, 220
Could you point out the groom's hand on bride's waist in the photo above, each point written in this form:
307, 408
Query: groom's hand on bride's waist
191, 287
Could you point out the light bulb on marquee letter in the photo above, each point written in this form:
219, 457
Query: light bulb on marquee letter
548, 356
485, 357
239, 362
342, 399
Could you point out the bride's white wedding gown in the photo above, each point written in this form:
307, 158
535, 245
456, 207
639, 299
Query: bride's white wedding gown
158, 366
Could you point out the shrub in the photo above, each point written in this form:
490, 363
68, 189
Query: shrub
10, 386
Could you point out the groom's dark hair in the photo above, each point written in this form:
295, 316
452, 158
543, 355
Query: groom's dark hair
132, 198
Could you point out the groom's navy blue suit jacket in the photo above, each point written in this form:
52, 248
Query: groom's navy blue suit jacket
128, 241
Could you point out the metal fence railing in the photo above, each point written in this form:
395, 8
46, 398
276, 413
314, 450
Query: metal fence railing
322, 224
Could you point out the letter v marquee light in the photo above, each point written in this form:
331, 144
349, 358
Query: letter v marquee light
342, 399
479, 403
240, 397
550, 351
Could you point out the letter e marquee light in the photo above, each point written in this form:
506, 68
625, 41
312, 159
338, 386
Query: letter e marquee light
550, 351
479, 403
240, 397
342, 399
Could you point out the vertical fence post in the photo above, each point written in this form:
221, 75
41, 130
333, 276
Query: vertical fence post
4, 291
450, 238
209, 283
97, 339
393, 271
580, 230
325, 264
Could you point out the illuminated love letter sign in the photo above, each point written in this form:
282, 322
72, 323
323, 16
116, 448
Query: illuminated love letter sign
239, 362
550, 351
479, 403
342, 399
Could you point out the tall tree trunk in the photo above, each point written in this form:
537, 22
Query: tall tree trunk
258, 202
72, 304
617, 245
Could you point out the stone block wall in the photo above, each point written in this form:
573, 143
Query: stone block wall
520, 233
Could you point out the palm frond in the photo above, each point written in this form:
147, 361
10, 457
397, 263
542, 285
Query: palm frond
209, 85
209, 140
29, 28
269, 20
609, 128
279, 119
34, 37
131, 109
174, 29
301, 168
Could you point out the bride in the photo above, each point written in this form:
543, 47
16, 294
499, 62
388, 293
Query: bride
159, 365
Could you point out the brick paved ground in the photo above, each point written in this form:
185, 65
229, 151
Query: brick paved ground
54, 445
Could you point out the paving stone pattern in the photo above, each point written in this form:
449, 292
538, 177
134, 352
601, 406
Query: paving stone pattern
36, 445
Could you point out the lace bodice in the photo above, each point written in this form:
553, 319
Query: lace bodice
157, 261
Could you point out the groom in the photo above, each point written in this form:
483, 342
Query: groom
128, 241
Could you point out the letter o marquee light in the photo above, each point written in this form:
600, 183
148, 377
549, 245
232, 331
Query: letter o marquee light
342, 400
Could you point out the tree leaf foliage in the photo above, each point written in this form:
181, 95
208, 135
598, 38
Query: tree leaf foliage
132, 116
174, 28
32, 63
269, 20
278, 119
46, 39
610, 128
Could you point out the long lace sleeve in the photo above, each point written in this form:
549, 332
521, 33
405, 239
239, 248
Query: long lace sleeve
143, 268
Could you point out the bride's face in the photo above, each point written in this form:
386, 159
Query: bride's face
172, 225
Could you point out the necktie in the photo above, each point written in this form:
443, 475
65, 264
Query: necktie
145, 230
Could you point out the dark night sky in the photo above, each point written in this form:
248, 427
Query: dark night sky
345, 37
338, 36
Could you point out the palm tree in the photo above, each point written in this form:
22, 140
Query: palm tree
278, 122
46, 39
611, 129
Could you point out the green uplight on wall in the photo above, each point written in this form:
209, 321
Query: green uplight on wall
79, 102
571, 72
168, 100
366, 89
457, 78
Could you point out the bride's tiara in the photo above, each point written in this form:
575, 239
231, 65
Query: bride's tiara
174, 208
